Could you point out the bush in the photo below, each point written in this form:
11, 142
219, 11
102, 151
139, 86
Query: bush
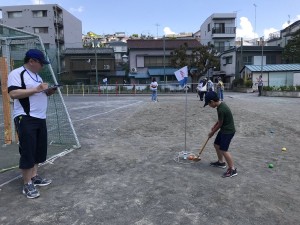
281, 88
269, 88
248, 83
286, 88
238, 82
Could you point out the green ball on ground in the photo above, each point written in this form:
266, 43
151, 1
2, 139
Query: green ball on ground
271, 165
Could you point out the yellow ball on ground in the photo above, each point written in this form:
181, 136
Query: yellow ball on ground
283, 149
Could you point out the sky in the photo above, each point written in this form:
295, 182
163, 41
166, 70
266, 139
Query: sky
255, 18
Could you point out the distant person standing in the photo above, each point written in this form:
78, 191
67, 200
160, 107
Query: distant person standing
202, 88
153, 88
29, 93
220, 89
210, 85
260, 84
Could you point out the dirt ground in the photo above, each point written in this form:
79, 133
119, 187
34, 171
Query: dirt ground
126, 171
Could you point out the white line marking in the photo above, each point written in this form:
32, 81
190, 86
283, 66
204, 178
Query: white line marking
106, 112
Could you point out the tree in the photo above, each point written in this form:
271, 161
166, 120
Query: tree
291, 52
180, 58
201, 60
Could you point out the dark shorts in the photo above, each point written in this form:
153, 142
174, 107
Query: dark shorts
223, 140
32, 140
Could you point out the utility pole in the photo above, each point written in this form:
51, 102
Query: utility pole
58, 40
254, 17
96, 61
262, 54
164, 44
157, 25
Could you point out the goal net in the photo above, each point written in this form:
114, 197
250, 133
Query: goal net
61, 133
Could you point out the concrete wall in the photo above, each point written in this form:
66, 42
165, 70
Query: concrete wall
72, 30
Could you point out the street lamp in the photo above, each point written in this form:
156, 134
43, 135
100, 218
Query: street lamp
262, 54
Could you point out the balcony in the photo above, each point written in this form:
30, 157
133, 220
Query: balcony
58, 21
59, 38
223, 32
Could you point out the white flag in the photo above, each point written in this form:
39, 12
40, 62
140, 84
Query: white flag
182, 75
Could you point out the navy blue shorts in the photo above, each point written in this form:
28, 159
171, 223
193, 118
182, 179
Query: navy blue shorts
32, 134
223, 140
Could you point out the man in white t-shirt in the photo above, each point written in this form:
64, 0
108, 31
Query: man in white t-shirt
29, 93
153, 88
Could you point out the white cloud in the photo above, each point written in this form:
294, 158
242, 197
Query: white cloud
246, 29
269, 31
286, 24
37, 2
79, 9
167, 30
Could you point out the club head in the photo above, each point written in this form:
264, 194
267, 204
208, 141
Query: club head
197, 159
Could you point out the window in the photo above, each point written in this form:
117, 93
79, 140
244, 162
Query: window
247, 60
15, 14
156, 61
40, 30
208, 27
39, 13
229, 60
271, 59
220, 46
220, 28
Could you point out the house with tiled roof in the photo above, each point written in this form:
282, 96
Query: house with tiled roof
151, 58
90, 65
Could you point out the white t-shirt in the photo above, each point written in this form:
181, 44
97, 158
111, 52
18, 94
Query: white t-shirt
37, 102
153, 86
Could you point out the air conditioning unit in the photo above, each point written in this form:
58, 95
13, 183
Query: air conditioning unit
133, 70
106, 67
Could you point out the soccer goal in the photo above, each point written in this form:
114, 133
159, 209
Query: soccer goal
61, 133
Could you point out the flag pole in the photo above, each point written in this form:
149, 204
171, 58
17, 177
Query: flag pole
182, 76
185, 118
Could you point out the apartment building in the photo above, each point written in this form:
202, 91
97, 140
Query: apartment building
234, 59
219, 30
57, 28
152, 58
281, 38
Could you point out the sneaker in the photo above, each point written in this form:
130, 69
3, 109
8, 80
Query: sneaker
39, 181
218, 164
30, 191
230, 173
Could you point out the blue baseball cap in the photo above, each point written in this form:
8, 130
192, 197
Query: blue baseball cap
38, 55
210, 96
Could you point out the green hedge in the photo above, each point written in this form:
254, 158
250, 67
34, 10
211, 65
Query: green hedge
281, 88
